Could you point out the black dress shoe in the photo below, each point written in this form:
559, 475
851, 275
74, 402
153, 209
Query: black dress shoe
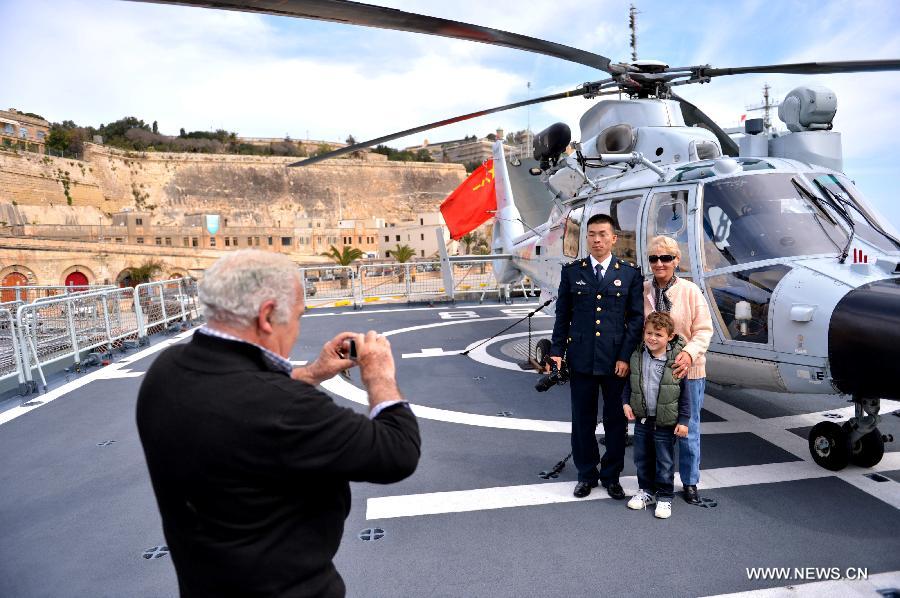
615, 490
582, 489
690, 495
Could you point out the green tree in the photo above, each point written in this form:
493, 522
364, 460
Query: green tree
155, 127
146, 271
344, 257
402, 254
470, 239
482, 248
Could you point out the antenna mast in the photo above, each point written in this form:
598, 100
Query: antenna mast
632, 25
766, 107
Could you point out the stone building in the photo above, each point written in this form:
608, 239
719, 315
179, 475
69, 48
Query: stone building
418, 234
461, 151
24, 132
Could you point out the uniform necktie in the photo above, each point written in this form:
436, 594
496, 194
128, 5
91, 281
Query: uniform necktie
599, 271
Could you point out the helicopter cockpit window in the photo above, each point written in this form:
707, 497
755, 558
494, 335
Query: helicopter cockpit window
742, 302
573, 232
865, 221
764, 216
668, 216
624, 212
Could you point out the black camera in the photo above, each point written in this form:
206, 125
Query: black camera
556, 376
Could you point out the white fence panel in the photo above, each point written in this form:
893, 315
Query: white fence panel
329, 282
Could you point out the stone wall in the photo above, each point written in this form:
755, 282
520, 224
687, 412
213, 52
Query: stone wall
47, 262
250, 190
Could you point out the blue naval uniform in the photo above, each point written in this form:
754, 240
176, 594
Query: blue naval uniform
597, 324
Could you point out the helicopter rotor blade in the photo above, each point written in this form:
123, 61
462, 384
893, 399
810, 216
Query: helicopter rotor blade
808, 68
355, 13
694, 116
589, 89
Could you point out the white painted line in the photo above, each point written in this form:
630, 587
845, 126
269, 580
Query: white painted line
103, 373
406, 309
341, 387
109, 374
846, 588
481, 355
433, 352
434, 503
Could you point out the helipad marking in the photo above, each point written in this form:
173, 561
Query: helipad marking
432, 352
434, 503
405, 309
101, 374
110, 374
341, 387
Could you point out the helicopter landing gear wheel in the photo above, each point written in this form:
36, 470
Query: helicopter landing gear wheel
829, 446
868, 450
541, 351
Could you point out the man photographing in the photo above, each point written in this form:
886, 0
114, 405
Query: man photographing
250, 463
599, 318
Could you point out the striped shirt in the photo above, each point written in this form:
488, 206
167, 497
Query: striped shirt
276, 362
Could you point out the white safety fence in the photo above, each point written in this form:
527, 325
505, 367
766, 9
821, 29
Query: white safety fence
86, 326
29, 293
329, 282
409, 281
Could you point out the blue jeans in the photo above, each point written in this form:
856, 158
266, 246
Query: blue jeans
654, 458
689, 448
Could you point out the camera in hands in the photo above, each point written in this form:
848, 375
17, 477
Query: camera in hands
557, 375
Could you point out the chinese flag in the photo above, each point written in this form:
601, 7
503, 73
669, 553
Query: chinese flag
472, 203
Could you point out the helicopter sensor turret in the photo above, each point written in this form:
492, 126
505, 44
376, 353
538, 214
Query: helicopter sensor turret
808, 109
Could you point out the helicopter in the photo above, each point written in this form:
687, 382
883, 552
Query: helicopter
766, 226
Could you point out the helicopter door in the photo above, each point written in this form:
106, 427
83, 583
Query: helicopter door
625, 210
667, 214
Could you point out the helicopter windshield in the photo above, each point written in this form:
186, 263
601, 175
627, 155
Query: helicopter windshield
764, 216
868, 226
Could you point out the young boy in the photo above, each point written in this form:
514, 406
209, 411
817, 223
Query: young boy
656, 399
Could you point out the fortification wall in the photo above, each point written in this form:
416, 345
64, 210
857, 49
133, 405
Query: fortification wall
250, 190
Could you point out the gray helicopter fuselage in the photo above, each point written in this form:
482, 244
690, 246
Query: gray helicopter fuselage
763, 252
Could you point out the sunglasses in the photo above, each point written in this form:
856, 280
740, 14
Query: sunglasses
662, 258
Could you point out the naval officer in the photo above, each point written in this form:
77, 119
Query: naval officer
599, 316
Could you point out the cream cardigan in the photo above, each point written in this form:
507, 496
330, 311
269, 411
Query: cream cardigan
692, 320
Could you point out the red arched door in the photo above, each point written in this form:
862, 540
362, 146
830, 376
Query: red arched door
13, 279
77, 279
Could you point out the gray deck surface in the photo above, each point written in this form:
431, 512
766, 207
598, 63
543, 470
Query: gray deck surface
76, 517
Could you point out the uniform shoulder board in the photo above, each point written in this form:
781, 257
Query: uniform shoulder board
572, 263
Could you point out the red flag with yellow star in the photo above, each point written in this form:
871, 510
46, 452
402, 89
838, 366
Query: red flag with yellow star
472, 203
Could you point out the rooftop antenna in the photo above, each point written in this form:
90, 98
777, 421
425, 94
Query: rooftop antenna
632, 25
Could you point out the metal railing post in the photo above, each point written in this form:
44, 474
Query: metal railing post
17, 356
109, 334
181, 298
139, 314
408, 283
26, 354
71, 319
162, 304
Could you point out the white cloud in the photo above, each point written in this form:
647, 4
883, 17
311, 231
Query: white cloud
99, 60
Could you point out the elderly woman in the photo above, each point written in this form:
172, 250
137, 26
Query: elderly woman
684, 302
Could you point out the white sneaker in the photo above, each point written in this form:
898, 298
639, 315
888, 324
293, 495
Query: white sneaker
641, 500
663, 509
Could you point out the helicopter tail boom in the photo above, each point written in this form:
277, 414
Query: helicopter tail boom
508, 227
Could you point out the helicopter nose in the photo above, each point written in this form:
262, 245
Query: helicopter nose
864, 340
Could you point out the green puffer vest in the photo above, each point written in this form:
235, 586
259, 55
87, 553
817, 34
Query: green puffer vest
669, 387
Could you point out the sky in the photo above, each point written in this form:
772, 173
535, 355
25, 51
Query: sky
95, 61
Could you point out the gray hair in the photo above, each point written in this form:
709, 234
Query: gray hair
234, 288
667, 243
